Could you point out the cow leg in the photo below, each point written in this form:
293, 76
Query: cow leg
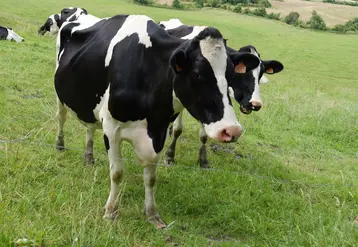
149, 202
203, 157
88, 155
143, 147
61, 118
116, 172
178, 129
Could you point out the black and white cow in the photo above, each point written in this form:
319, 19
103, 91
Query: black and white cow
129, 77
9, 34
55, 21
244, 87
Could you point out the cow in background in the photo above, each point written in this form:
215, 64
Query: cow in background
9, 34
243, 87
55, 21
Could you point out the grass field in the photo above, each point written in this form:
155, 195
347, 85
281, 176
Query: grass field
291, 180
332, 14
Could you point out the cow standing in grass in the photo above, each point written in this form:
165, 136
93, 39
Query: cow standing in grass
9, 34
127, 76
55, 21
244, 87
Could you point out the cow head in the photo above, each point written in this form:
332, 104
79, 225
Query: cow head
51, 25
246, 87
202, 71
14, 36
54, 22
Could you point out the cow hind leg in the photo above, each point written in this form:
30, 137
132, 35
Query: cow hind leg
203, 157
178, 129
61, 118
116, 175
88, 155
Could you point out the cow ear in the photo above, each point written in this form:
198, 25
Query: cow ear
272, 66
56, 17
244, 61
178, 61
85, 11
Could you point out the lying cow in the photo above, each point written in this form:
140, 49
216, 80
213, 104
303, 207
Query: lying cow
9, 34
244, 87
127, 76
55, 21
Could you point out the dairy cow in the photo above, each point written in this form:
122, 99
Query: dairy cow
129, 77
9, 34
244, 87
55, 21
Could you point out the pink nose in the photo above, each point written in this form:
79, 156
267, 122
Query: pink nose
230, 134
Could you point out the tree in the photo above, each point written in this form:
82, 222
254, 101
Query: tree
199, 3
292, 18
316, 21
237, 9
260, 12
176, 4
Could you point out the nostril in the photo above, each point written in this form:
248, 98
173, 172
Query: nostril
256, 108
256, 104
225, 135
230, 134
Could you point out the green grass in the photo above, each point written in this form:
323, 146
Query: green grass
294, 185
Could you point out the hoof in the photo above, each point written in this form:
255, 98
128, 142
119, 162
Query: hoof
169, 162
169, 158
89, 159
60, 143
157, 221
110, 216
204, 164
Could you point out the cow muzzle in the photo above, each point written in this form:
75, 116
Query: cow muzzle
229, 134
41, 31
253, 106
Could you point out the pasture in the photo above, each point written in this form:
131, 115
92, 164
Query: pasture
332, 14
290, 180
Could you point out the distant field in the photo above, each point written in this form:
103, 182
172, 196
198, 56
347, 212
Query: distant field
333, 14
290, 180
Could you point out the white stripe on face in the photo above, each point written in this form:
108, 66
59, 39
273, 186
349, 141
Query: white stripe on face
256, 95
214, 51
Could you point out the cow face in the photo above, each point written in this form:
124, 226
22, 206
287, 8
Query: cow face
54, 22
246, 86
202, 71
14, 36
71, 14
51, 25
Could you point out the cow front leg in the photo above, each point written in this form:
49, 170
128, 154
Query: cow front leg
149, 202
178, 129
203, 157
88, 155
116, 175
61, 116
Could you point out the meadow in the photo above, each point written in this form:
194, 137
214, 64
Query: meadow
290, 180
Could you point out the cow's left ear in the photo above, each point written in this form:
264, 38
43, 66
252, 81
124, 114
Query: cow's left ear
272, 66
244, 62
178, 60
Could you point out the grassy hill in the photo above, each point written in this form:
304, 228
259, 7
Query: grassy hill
291, 180
332, 14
